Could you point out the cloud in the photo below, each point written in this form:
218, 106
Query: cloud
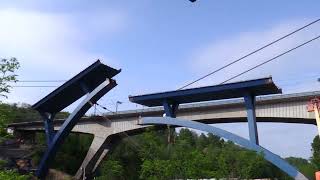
297, 68
53, 45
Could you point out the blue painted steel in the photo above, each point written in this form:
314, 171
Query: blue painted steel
170, 109
71, 90
250, 101
167, 109
269, 156
70, 122
174, 108
257, 87
48, 126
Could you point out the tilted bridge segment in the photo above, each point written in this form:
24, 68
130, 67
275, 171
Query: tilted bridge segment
288, 108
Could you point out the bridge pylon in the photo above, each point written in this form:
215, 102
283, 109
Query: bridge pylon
314, 106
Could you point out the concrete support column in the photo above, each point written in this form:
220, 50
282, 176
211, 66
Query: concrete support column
249, 100
97, 151
103, 154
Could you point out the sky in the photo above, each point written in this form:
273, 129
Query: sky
161, 45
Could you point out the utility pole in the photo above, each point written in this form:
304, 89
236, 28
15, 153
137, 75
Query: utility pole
117, 103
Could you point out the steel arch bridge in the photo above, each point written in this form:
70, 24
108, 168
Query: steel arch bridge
96, 80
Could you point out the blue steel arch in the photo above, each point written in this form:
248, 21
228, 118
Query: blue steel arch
70, 122
269, 156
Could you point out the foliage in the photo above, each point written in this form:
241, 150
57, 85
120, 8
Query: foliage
7, 74
191, 156
315, 159
304, 166
70, 154
5, 116
112, 170
3, 163
12, 113
13, 175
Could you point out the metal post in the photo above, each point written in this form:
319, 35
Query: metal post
249, 100
117, 104
170, 111
48, 126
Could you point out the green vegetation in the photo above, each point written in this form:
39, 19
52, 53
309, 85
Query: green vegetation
7, 74
13, 175
304, 166
149, 156
316, 152
69, 156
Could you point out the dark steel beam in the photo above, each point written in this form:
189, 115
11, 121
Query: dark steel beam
250, 100
256, 87
70, 122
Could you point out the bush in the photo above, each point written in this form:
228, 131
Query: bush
13, 175
3, 163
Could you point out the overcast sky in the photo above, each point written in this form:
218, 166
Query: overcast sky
162, 45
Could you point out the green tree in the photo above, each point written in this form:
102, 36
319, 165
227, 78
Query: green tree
111, 169
7, 74
307, 168
8, 68
315, 159
5, 115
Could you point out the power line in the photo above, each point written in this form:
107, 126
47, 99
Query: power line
33, 86
247, 55
105, 108
265, 62
40, 81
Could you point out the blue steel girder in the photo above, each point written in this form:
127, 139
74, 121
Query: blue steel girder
170, 109
250, 101
269, 156
48, 126
70, 122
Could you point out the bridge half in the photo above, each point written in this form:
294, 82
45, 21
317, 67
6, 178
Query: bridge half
290, 108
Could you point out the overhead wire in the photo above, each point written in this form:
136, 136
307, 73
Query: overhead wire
272, 59
40, 81
251, 53
32, 86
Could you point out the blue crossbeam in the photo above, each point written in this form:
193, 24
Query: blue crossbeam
256, 87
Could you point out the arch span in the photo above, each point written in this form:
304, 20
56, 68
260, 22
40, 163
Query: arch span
269, 156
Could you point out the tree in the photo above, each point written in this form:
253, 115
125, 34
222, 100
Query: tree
7, 74
315, 159
303, 165
111, 170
